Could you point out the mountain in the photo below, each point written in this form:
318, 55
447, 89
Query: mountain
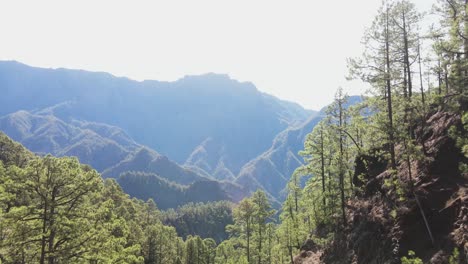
13, 153
142, 172
175, 118
194, 131
168, 194
210, 156
272, 169
208, 220
98, 145
147, 160
107, 148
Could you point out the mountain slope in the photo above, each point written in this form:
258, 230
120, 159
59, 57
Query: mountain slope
210, 157
13, 153
107, 148
98, 145
168, 194
149, 161
175, 187
428, 216
273, 168
174, 118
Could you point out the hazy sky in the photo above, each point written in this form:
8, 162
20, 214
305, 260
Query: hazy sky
295, 50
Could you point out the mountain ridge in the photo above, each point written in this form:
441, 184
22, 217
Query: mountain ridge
171, 117
212, 125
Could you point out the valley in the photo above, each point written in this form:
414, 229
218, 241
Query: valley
196, 167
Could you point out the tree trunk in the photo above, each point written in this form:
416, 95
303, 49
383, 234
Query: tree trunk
44, 230
423, 100
45, 217
389, 93
446, 79
341, 169
322, 167
405, 82
465, 49
439, 75
465, 37
248, 241
406, 57
51, 241
259, 243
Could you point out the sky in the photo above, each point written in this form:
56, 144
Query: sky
295, 49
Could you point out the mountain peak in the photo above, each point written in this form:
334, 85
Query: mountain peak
146, 154
216, 80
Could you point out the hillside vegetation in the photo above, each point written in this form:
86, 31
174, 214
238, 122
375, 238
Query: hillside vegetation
378, 180
174, 118
190, 130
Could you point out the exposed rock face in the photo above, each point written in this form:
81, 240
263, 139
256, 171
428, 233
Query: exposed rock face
383, 227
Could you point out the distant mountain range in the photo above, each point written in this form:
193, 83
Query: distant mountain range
272, 169
210, 129
98, 145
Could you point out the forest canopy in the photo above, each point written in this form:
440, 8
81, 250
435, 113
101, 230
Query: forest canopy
371, 159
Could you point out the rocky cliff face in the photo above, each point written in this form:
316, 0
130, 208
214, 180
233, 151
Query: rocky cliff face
384, 224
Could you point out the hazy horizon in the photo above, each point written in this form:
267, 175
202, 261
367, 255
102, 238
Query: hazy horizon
275, 45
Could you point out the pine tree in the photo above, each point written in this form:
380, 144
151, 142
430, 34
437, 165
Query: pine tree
262, 214
243, 220
377, 67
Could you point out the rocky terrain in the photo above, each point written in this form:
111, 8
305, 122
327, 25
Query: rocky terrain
426, 211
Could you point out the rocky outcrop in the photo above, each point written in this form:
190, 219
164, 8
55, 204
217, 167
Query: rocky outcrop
385, 223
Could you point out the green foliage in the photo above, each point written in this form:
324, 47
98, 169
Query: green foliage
383, 125
329, 152
411, 259
51, 216
460, 135
56, 210
168, 194
207, 220
393, 213
13, 153
252, 234
453, 259
394, 183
